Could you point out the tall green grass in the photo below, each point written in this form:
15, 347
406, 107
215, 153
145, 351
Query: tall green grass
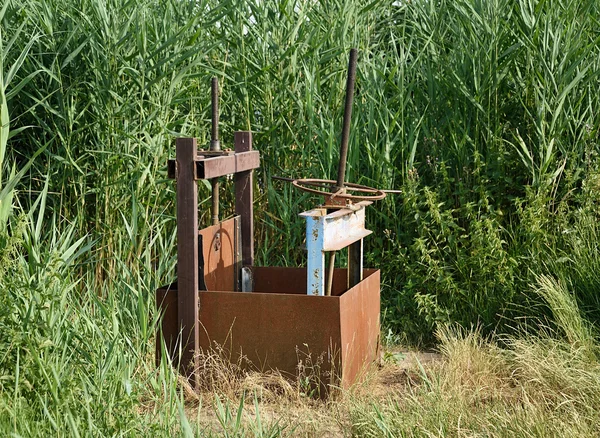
483, 113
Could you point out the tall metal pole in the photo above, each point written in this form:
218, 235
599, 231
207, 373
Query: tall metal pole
347, 117
343, 149
215, 146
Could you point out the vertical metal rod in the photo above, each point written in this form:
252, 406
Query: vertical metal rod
347, 118
330, 274
215, 146
215, 200
214, 94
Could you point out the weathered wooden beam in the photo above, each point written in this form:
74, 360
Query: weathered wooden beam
208, 167
187, 255
243, 192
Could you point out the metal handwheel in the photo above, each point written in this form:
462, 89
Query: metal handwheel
307, 185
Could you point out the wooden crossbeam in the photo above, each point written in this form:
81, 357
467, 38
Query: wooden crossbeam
208, 167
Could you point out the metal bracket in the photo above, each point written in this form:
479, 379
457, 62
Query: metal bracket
247, 279
332, 232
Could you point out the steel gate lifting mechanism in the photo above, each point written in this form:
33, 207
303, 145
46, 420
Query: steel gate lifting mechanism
274, 317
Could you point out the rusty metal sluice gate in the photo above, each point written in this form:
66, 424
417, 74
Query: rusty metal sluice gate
276, 318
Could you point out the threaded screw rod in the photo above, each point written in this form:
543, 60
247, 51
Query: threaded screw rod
347, 118
215, 146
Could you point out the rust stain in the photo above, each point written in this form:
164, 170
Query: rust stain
219, 255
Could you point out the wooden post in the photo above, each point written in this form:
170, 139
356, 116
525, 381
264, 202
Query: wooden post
244, 199
187, 254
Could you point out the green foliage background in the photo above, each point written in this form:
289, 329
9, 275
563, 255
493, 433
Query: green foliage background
483, 112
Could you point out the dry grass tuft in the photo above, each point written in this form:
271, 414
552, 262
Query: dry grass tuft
231, 375
276, 402
556, 372
539, 386
535, 387
474, 370
271, 387
218, 373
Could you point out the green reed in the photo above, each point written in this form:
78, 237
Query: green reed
483, 112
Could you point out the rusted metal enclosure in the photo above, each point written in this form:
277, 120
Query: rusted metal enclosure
279, 322
300, 321
278, 326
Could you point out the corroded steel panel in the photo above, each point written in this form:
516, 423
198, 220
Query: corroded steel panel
278, 326
360, 327
291, 280
274, 330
